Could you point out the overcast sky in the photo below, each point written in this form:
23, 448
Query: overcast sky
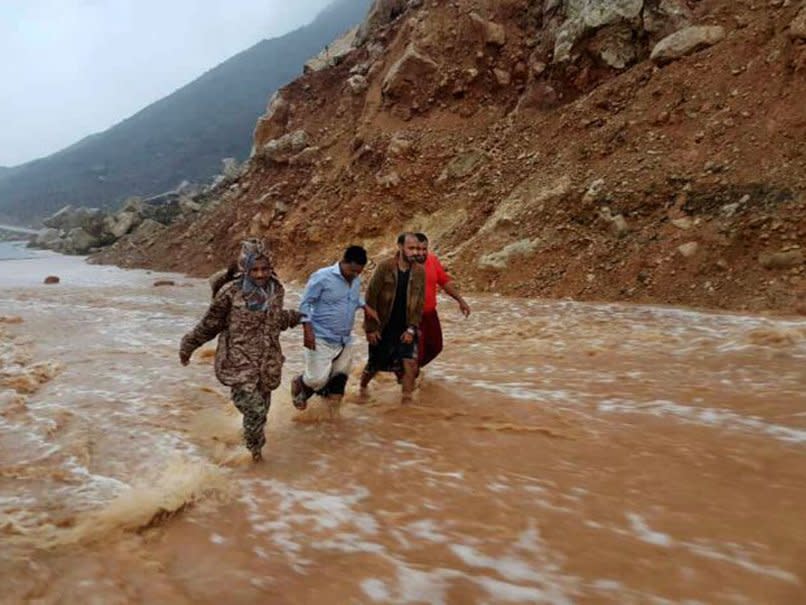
69, 68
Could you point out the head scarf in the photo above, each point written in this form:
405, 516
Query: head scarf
257, 297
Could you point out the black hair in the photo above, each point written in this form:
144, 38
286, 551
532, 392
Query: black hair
401, 239
355, 255
421, 237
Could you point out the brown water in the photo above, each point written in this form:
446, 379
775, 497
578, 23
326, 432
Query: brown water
557, 453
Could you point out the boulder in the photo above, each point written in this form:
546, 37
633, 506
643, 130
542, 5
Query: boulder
52, 279
46, 237
502, 76
147, 231
584, 17
502, 258
272, 124
164, 282
399, 146
121, 223
408, 73
462, 165
281, 150
382, 12
357, 84
786, 259
797, 28
687, 41
615, 45
230, 168
688, 249
665, 17
89, 219
333, 54
492, 33
78, 241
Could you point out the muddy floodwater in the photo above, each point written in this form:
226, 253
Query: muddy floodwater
557, 452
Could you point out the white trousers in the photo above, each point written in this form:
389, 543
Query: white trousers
326, 361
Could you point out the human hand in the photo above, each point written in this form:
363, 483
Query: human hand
373, 338
464, 308
370, 313
407, 338
184, 358
308, 337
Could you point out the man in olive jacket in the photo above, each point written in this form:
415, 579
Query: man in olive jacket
397, 293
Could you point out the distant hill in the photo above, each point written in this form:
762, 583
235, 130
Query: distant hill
181, 137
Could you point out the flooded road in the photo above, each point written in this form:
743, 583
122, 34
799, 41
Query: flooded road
557, 452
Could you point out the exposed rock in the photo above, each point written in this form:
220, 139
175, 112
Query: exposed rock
502, 258
616, 222
411, 71
188, 206
46, 237
491, 33
272, 124
334, 53
685, 223
358, 84
797, 28
381, 13
688, 249
90, 219
306, 157
687, 41
665, 17
120, 224
781, 260
148, 230
502, 76
164, 282
586, 16
78, 241
399, 146
462, 165
52, 279
387, 181
230, 168
615, 45
280, 150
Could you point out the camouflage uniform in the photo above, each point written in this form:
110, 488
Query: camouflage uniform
248, 357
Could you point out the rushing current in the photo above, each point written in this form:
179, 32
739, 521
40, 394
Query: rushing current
557, 452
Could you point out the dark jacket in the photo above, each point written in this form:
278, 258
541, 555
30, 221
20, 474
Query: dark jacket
383, 288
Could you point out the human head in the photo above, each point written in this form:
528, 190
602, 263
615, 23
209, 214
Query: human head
422, 253
409, 246
353, 262
255, 261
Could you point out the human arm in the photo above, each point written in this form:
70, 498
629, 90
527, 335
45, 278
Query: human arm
311, 295
213, 322
452, 291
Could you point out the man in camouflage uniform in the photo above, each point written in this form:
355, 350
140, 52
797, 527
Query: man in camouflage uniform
247, 315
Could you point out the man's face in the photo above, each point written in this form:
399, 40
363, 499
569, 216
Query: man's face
410, 249
351, 270
422, 251
260, 272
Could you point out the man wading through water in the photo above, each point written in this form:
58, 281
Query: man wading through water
247, 315
397, 292
430, 345
328, 306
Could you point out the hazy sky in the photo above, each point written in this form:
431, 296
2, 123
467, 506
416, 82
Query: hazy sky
69, 68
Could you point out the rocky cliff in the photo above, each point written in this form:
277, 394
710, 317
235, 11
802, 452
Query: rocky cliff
637, 150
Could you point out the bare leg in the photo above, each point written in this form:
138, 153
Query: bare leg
409, 376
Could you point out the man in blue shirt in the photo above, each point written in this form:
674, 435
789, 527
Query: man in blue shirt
328, 307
